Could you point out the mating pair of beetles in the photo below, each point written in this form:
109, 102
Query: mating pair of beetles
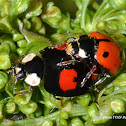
74, 68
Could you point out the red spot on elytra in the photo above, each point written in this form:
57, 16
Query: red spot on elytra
66, 79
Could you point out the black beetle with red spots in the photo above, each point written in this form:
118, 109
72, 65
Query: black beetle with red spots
73, 68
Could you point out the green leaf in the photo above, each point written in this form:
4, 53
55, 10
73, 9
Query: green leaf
52, 15
4, 9
3, 79
6, 39
28, 108
34, 9
18, 6
118, 4
76, 122
5, 62
117, 106
5, 25
1, 113
31, 37
10, 107
23, 99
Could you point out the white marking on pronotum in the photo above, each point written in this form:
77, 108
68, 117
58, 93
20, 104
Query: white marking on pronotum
82, 53
28, 58
32, 79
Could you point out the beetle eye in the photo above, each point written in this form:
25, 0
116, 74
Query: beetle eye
105, 54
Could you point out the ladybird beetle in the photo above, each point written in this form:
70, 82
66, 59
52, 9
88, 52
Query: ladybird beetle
97, 48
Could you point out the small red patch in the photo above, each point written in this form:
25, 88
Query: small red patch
63, 47
66, 79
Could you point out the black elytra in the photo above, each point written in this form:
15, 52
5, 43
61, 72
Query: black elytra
52, 73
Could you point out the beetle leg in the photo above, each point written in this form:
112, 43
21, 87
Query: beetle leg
21, 92
102, 79
88, 75
15, 80
24, 92
64, 63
